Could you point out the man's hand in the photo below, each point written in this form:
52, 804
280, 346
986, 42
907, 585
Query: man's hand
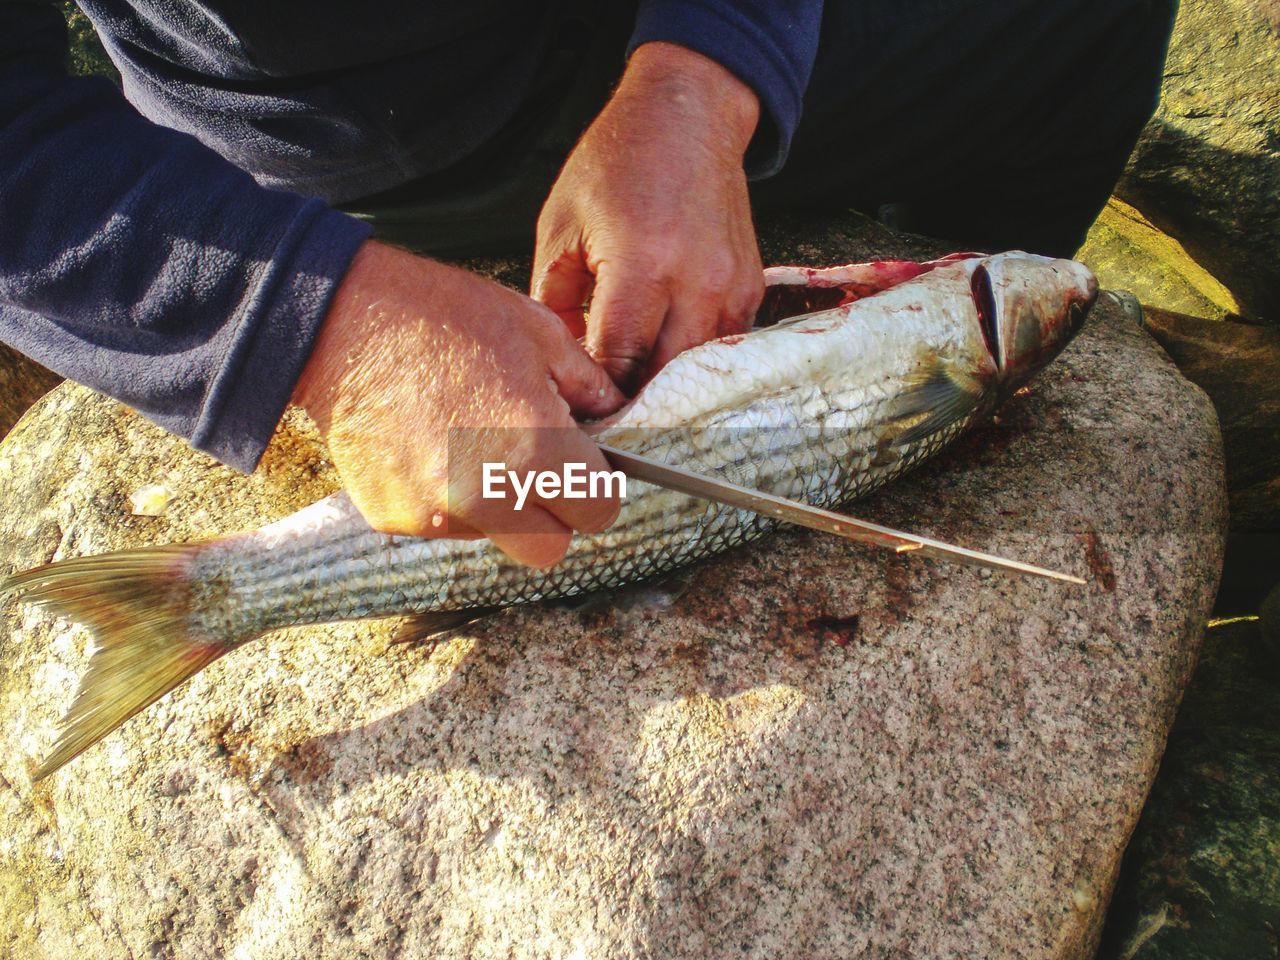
411, 348
651, 211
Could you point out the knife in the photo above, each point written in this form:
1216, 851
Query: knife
815, 518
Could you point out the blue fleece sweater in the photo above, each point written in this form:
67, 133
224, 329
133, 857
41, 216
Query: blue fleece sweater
173, 246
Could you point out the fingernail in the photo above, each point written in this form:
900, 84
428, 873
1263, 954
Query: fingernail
437, 519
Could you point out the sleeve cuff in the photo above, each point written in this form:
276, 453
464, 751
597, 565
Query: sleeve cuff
772, 52
274, 337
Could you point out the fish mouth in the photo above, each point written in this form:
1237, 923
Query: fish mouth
984, 300
1079, 308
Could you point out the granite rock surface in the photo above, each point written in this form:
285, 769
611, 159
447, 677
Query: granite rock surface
801, 749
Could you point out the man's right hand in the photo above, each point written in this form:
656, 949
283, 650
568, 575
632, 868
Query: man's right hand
412, 349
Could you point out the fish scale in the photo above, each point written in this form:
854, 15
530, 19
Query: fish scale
657, 530
823, 408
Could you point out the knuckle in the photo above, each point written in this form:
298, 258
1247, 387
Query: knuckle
738, 318
650, 269
637, 287
544, 325
622, 354
720, 271
555, 256
715, 283
626, 339
554, 218
741, 305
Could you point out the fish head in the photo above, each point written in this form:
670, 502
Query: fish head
1029, 308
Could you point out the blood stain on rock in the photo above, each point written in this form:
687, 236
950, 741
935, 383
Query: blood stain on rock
841, 631
1099, 561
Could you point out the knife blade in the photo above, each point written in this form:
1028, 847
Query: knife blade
815, 518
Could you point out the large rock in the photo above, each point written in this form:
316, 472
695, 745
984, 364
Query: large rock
801, 749
1202, 876
1128, 252
1207, 168
1238, 366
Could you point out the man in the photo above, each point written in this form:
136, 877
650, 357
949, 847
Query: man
176, 263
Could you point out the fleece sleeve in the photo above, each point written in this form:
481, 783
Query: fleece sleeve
769, 44
137, 261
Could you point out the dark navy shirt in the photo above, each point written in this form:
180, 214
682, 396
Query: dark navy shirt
174, 246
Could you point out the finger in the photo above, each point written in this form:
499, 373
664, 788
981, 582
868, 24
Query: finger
584, 384
530, 535
592, 474
677, 336
540, 540
747, 291
741, 305
564, 283
402, 517
626, 314
693, 320
556, 469
409, 498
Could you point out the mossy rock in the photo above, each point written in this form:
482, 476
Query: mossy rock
1201, 878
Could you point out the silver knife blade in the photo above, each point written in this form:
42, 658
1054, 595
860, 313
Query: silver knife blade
815, 518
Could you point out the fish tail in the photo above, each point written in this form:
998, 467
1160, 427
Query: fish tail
138, 603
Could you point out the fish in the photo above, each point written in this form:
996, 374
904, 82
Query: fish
853, 376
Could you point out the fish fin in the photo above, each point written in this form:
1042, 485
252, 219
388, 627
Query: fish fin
420, 627
885, 455
137, 603
932, 402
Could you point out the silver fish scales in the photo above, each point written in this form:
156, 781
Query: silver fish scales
898, 360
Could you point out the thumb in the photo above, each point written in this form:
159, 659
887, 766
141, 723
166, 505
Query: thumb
583, 383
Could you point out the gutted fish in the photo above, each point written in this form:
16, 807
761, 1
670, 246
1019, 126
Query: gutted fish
861, 373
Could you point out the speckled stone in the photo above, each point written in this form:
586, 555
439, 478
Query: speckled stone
802, 749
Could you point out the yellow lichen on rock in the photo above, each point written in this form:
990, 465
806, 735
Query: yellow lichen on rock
1128, 252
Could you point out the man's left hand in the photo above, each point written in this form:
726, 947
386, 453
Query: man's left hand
651, 213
